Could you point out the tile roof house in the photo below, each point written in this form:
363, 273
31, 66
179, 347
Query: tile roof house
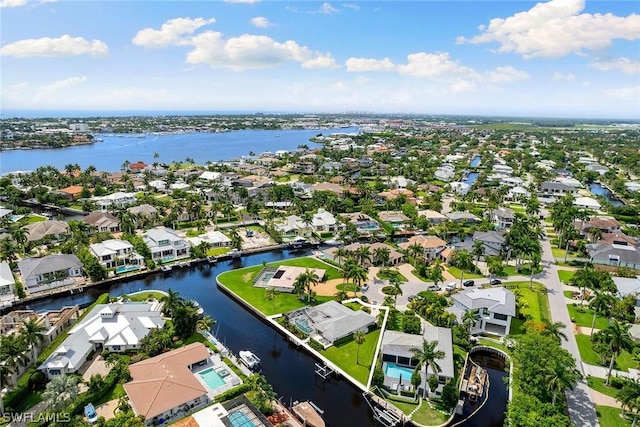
115, 327
432, 245
164, 388
50, 271
38, 230
165, 245
102, 221
434, 217
397, 351
496, 307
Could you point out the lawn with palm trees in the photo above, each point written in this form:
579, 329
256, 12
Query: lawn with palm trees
355, 359
240, 282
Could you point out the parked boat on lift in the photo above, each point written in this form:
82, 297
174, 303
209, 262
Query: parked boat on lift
250, 360
309, 413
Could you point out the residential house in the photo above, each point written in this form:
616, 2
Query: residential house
398, 358
628, 286
459, 187
517, 194
395, 257
445, 173
496, 307
395, 218
50, 228
364, 223
602, 223
324, 221
216, 239
619, 254
115, 327
175, 389
408, 195
4, 212
102, 221
632, 186
327, 186
137, 167
493, 243
209, 176
7, 282
465, 218
165, 245
113, 253
50, 271
587, 203
400, 182
503, 217
596, 167
70, 193
556, 190
292, 226
116, 200
143, 214
432, 245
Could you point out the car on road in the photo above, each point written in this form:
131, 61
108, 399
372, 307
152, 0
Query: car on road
411, 297
433, 288
495, 282
468, 283
450, 286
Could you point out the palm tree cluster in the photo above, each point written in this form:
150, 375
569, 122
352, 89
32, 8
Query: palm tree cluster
19, 349
611, 342
305, 282
431, 306
523, 241
185, 315
428, 356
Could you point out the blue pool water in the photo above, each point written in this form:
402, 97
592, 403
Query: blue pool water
125, 268
394, 371
211, 378
238, 419
303, 326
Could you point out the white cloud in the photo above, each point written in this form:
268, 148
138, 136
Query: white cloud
327, 9
320, 61
560, 76
369, 64
632, 93
556, 28
12, 3
352, 6
243, 1
261, 22
437, 66
625, 65
61, 46
62, 84
503, 75
172, 32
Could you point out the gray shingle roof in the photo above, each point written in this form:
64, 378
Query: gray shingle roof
31, 267
496, 300
400, 344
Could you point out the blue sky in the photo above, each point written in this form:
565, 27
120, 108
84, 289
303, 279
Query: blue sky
561, 58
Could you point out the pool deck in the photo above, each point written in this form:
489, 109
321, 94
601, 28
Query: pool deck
230, 381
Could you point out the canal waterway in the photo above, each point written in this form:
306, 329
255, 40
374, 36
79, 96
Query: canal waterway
600, 190
110, 153
289, 369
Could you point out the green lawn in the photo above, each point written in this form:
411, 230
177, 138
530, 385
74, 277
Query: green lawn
428, 416
489, 343
389, 274
610, 417
116, 393
567, 294
623, 362
456, 272
517, 326
144, 296
511, 270
537, 302
583, 316
240, 282
598, 385
217, 251
31, 218
565, 276
345, 356
558, 253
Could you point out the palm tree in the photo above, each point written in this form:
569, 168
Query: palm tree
427, 356
478, 251
416, 252
171, 301
600, 302
236, 240
397, 290
359, 338
305, 282
60, 391
205, 323
340, 254
436, 272
33, 334
341, 295
20, 236
469, 319
616, 339
363, 255
359, 274
271, 294
629, 396
560, 378
382, 255
554, 329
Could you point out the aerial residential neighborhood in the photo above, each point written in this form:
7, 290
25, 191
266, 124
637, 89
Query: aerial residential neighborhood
434, 266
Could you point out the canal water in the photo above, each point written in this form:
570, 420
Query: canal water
599, 190
290, 370
109, 154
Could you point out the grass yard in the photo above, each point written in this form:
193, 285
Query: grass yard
217, 251
610, 417
345, 356
428, 416
598, 384
456, 272
116, 393
565, 276
31, 218
624, 361
582, 316
511, 270
537, 302
567, 294
489, 343
389, 274
144, 296
240, 282
558, 253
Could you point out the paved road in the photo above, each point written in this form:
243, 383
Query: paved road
579, 401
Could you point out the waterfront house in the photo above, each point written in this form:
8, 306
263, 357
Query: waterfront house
396, 219
113, 253
72, 192
399, 362
137, 167
50, 271
433, 217
603, 223
50, 228
432, 245
216, 239
102, 221
364, 223
330, 321
165, 245
395, 257
556, 190
445, 173
464, 218
459, 188
324, 221
496, 307
283, 278
292, 226
632, 186
116, 200
6, 281
114, 327
165, 388
587, 203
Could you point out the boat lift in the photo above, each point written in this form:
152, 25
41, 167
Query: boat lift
387, 417
324, 371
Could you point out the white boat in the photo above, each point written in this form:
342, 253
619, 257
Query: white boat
166, 268
309, 414
250, 360
200, 310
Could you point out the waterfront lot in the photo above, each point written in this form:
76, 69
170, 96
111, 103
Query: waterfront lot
345, 356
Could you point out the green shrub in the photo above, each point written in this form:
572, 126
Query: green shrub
315, 345
234, 392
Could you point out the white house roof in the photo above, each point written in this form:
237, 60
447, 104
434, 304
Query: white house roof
587, 202
496, 300
110, 246
6, 276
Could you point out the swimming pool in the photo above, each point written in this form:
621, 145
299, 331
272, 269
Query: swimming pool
239, 419
395, 371
303, 326
211, 378
126, 268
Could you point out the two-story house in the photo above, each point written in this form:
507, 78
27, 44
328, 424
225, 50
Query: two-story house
116, 200
432, 245
503, 217
495, 306
102, 221
113, 253
165, 245
50, 271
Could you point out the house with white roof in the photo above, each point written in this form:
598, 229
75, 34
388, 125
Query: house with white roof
503, 217
6, 282
517, 193
165, 245
628, 286
113, 253
445, 173
496, 307
632, 186
587, 203
460, 188
216, 239
115, 327
323, 221
398, 359
116, 200
210, 176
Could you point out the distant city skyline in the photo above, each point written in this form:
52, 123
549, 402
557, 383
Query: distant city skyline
560, 58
